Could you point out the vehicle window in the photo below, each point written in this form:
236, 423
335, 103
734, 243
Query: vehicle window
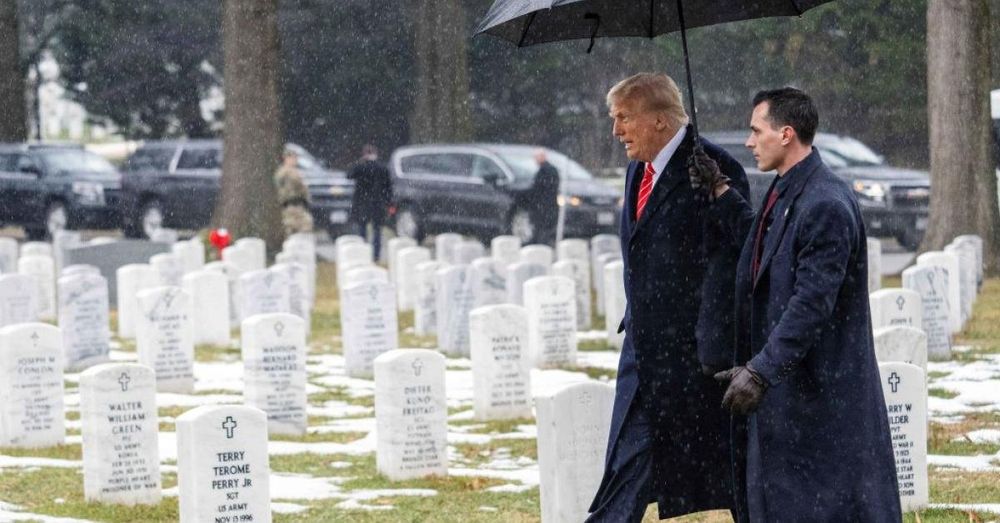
449, 164
74, 160
7, 162
199, 159
484, 167
150, 159
23, 163
850, 150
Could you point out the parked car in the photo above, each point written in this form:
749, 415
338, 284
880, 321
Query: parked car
45, 188
477, 189
894, 201
176, 183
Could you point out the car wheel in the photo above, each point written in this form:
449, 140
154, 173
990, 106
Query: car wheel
522, 226
910, 239
150, 218
56, 219
408, 224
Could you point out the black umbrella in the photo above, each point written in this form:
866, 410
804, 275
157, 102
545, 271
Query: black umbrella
529, 22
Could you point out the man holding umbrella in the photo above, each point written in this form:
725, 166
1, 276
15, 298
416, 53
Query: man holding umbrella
669, 439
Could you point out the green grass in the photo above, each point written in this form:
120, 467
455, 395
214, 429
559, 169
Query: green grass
942, 393
67, 451
594, 345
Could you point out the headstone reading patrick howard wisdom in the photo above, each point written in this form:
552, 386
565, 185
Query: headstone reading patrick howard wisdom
501, 365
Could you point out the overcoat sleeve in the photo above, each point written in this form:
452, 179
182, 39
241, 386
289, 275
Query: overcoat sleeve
824, 242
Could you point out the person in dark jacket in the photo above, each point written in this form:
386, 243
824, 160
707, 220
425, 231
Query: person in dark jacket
542, 201
669, 440
372, 194
811, 434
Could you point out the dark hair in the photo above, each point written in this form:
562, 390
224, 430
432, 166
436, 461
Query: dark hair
792, 107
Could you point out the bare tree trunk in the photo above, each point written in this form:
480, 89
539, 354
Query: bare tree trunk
963, 182
441, 106
254, 134
13, 105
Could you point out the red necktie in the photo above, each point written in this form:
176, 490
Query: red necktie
645, 188
758, 242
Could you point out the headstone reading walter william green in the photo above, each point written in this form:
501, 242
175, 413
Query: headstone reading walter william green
121, 462
274, 369
31, 391
905, 390
930, 282
165, 337
222, 465
501, 364
411, 415
83, 320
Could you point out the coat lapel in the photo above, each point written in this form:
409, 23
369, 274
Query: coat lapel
782, 210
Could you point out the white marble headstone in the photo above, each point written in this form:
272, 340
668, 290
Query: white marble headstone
83, 320
468, 251
370, 325
344, 239
264, 292
209, 292
406, 263
63, 241
8, 255
573, 427
222, 465
75, 269
392, 248
444, 247
614, 302
165, 337
43, 270
537, 253
517, 274
256, 250
551, 305
949, 263
874, 264
411, 414
577, 270
454, 301
573, 249
602, 261
36, 249
977, 245
905, 344
169, 267
967, 276
487, 282
896, 307
501, 364
299, 302
506, 250
31, 363
425, 301
233, 278
241, 258
352, 256
930, 282
118, 417
132, 279
905, 390
18, 299
274, 370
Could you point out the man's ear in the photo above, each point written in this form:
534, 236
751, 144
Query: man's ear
787, 135
662, 123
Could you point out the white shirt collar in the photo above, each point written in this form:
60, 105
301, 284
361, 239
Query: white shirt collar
663, 158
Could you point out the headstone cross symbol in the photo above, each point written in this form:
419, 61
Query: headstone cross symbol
373, 292
900, 301
894, 382
930, 280
123, 381
34, 338
279, 328
229, 426
417, 366
168, 298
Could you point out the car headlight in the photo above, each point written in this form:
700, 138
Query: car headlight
572, 201
89, 192
869, 190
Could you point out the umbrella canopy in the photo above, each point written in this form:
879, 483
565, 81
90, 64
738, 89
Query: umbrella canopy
529, 22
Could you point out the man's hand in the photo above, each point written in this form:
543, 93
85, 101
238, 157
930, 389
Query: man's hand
705, 176
746, 389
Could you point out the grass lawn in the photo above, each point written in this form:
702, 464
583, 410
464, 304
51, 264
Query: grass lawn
58, 492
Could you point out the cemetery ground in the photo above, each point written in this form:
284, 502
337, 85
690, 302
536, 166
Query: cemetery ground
330, 475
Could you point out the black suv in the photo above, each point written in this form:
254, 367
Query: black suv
477, 189
46, 188
176, 183
894, 202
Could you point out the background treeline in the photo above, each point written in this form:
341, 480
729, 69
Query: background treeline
393, 72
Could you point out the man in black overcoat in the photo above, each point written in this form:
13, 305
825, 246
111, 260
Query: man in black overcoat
541, 200
372, 194
669, 441
811, 433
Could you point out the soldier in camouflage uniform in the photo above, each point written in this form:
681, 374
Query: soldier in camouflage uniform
293, 196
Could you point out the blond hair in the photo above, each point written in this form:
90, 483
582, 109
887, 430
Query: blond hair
655, 92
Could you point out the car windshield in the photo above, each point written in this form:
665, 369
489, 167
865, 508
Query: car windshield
75, 160
852, 152
522, 163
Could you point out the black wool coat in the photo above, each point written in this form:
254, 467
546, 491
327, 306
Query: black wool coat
679, 289
372, 191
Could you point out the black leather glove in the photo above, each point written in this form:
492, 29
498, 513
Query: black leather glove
746, 389
704, 174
